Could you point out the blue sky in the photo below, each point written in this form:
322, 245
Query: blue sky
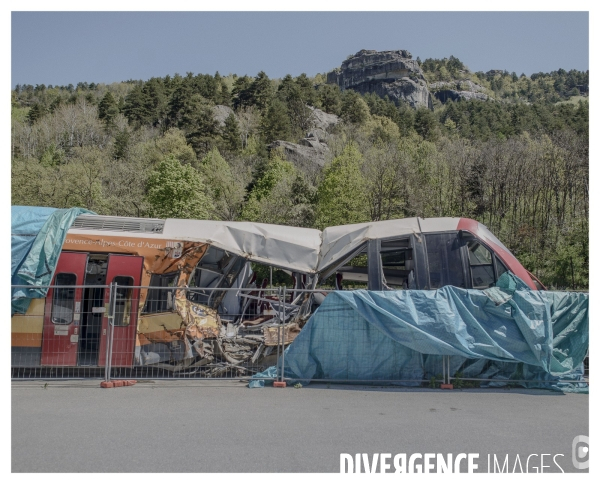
59, 48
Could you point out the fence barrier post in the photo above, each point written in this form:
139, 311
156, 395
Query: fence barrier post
280, 341
446, 369
111, 325
443, 369
278, 336
283, 338
108, 355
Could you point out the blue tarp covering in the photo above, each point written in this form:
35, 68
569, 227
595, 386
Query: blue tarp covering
505, 332
37, 236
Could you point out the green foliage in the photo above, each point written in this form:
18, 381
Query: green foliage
108, 108
226, 191
199, 123
172, 143
121, 144
35, 113
442, 69
330, 98
426, 124
435, 381
354, 108
261, 91
231, 134
176, 191
341, 194
275, 124
458, 382
279, 195
241, 92
297, 94
146, 104
52, 156
568, 264
269, 174
519, 163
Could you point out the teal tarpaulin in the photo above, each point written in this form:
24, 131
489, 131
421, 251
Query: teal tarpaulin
506, 331
37, 236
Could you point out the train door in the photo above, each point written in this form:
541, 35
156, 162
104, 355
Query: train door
62, 314
92, 310
126, 271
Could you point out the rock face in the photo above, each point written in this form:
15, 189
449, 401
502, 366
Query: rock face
391, 73
322, 120
455, 90
310, 153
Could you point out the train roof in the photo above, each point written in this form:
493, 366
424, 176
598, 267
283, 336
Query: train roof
302, 249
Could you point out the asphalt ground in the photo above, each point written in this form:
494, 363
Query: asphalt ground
188, 426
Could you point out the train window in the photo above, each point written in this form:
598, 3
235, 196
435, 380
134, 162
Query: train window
500, 267
205, 279
478, 254
354, 274
482, 267
397, 264
445, 263
63, 299
216, 259
123, 300
217, 268
233, 273
161, 300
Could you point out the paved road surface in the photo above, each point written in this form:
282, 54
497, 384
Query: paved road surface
226, 427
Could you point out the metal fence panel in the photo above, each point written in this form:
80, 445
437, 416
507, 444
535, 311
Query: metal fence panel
150, 332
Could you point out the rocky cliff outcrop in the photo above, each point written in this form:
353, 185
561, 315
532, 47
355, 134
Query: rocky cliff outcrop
310, 153
455, 90
322, 120
391, 73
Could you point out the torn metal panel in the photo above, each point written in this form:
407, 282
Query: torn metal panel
200, 321
293, 248
273, 334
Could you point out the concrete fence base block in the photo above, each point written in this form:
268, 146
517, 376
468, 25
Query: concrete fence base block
279, 384
446, 386
117, 383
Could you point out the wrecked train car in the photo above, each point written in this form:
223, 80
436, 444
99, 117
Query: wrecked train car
416, 253
172, 307
197, 296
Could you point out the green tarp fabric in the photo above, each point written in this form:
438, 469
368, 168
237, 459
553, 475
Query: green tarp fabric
38, 265
508, 330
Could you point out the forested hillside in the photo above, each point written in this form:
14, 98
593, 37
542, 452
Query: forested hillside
200, 146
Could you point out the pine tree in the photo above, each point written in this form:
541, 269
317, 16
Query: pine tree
354, 108
262, 91
275, 124
35, 113
231, 134
108, 108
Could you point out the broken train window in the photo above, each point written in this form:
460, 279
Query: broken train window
397, 264
217, 269
160, 297
349, 273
